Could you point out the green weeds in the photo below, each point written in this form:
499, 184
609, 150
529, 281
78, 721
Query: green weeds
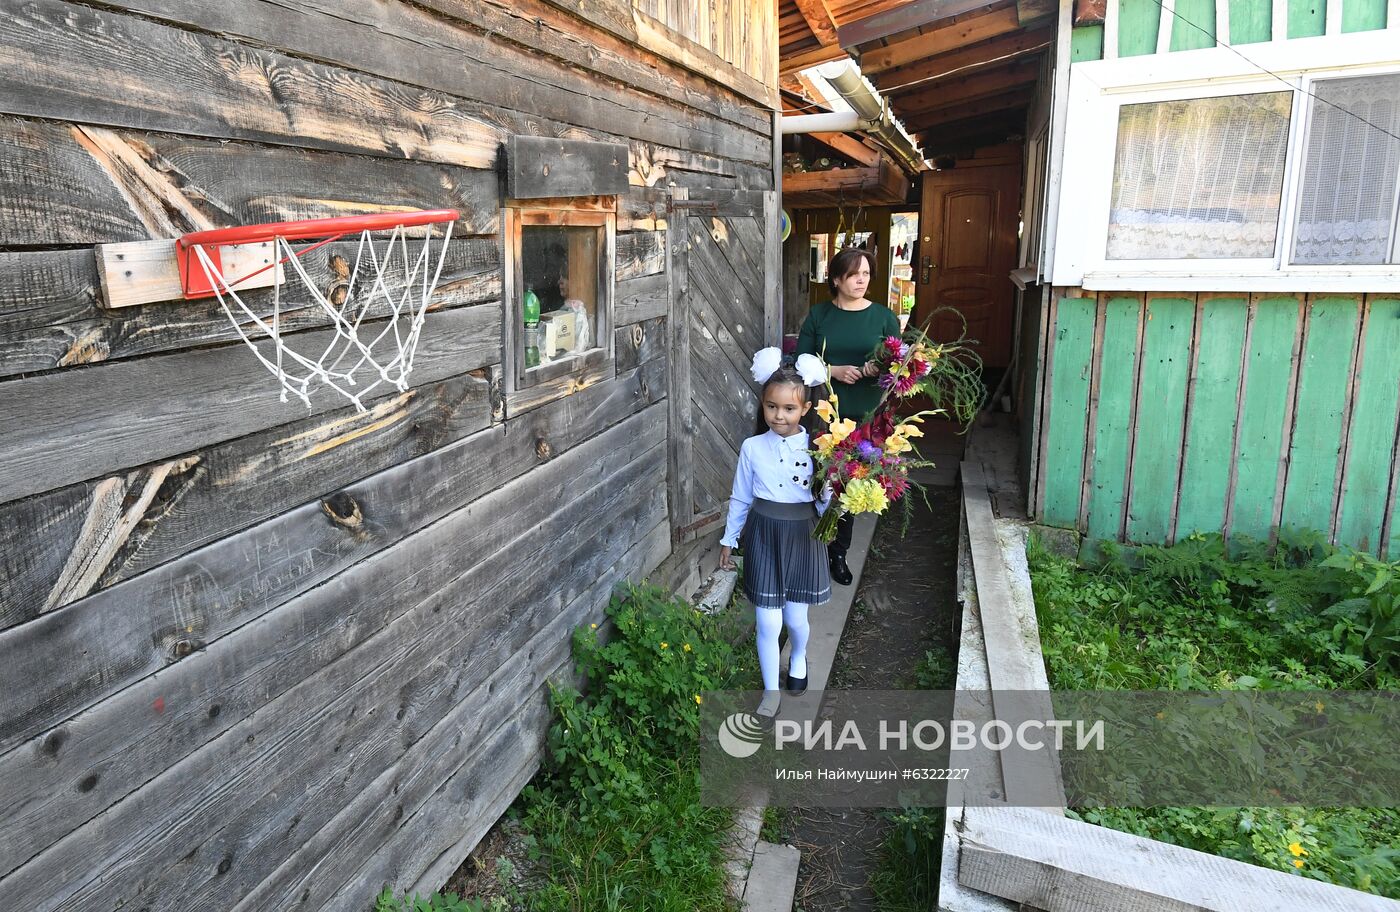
1299, 616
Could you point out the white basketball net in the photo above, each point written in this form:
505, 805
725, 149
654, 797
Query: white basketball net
362, 354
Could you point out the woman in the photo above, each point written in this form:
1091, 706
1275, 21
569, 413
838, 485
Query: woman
844, 331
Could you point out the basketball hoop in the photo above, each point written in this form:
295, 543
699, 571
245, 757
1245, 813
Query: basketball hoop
362, 354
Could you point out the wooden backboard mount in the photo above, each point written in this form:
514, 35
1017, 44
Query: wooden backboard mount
145, 272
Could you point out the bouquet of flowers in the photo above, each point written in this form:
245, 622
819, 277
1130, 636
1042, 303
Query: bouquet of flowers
865, 468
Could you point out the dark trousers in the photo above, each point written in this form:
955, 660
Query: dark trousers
842, 543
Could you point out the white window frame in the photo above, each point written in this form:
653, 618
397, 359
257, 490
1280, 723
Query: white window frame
1098, 89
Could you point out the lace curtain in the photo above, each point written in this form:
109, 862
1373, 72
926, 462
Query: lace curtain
1199, 178
1346, 208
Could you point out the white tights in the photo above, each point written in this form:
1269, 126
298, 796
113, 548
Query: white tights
769, 622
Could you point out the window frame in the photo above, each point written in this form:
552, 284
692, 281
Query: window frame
1097, 91
562, 375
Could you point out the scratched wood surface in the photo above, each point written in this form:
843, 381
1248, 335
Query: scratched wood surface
258, 656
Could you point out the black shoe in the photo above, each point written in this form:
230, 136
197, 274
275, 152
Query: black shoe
796, 686
840, 573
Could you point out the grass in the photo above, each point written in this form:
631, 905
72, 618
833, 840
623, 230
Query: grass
613, 821
1300, 616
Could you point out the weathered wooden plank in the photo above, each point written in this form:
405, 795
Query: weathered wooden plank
533, 24
1263, 415
62, 323
182, 502
539, 167
150, 73
518, 402
421, 853
402, 42
640, 299
1015, 668
725, 395
1068, 407
639, 343
1320, 412
982, 21
90, 185
1161, 414
253, 571
1113, 429
1214, 402
303, 635
717, 315
257, 805
1060, 864
738, 303
715, 459
1371, 444
133, 412
681, 425
640, 253
772, 272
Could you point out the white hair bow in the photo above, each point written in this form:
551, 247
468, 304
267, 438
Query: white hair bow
765, 362
812, 369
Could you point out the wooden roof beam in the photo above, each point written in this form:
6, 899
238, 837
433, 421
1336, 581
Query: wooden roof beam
902, 19
1018, 98
947, 92
972, 130
964, 61
850, 147
810, 58
819, 20
997, 20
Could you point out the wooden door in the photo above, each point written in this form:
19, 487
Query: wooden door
968, 232
725, 264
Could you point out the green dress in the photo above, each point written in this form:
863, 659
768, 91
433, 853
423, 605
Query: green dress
848, 337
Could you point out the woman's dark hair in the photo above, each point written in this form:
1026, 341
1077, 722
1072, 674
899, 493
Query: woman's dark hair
787, 375
847, 262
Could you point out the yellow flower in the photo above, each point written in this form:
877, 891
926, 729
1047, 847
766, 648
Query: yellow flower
686, 647
910, 430
825, 444
864, 496
842, 429
1318, 705
1297, 862
896, 444
592, 626
1161, 715
827, 409
663, 645
698, 701
1297, 849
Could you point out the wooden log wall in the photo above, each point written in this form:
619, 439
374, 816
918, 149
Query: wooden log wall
255, 655
1167, 414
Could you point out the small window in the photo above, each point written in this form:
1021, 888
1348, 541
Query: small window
561, 271
1346, 213
1199, 178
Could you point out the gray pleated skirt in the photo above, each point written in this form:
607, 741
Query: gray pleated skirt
782, 561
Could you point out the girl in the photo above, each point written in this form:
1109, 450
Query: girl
785, 568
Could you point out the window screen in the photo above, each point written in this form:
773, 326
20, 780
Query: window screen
1199, 178
1346, 208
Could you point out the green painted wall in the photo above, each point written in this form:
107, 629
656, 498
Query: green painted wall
1195, 26
1250, 21
1086, 43
1223, 413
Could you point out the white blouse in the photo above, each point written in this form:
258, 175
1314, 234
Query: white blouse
772, 468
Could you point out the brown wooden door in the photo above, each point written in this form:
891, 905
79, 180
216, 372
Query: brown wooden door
967, 232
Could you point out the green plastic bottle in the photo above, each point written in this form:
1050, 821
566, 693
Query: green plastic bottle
532, 328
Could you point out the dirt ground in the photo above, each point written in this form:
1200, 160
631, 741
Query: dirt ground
906, 604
